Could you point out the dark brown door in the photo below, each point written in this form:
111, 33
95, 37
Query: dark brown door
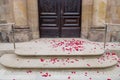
60, 18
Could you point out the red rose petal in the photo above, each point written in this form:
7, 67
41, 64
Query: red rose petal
88, 65
113, 54
69, 77
29, 71
109, 79
42, 60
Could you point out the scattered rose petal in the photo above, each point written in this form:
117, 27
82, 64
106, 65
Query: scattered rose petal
109, 79
69, 77
29, 71
88, 65
42, 60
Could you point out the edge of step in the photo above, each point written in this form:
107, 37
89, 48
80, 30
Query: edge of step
112, 73
60, 46
26, 53
2, 52
14, 61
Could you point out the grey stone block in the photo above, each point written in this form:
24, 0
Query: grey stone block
21, 35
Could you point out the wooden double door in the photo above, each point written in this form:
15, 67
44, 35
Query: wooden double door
60, 18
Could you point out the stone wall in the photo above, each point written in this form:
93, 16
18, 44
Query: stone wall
113, 16
4, 30
14, 11
87, 16
21, 35
25, 14
33, 17
2, 11
106, 11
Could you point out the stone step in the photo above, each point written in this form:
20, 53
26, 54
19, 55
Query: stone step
60, 46
112, 73
103, 61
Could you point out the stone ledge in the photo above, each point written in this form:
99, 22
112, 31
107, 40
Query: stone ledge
6, 52
60, 46
111, 73
14, 61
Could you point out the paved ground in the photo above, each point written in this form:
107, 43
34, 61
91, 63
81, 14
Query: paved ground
112, 73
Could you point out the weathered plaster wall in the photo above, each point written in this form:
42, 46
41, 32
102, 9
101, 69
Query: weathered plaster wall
20, 12
9, 11
93, 15
98, 20
33, 17
5, 16
113, 16
2, 10
87, 16
15, 11
113, 11
99, 12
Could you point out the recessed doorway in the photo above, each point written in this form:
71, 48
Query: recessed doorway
60, 18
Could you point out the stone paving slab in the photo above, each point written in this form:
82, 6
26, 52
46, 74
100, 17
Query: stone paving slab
112, 73
60, 46
103, 61
9, 46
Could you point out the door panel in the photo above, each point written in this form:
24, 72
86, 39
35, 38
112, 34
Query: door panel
71, 21
71, 7
70, 18
70, 32
49, 18
48, 7
49, 32
47, 22
59, 18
